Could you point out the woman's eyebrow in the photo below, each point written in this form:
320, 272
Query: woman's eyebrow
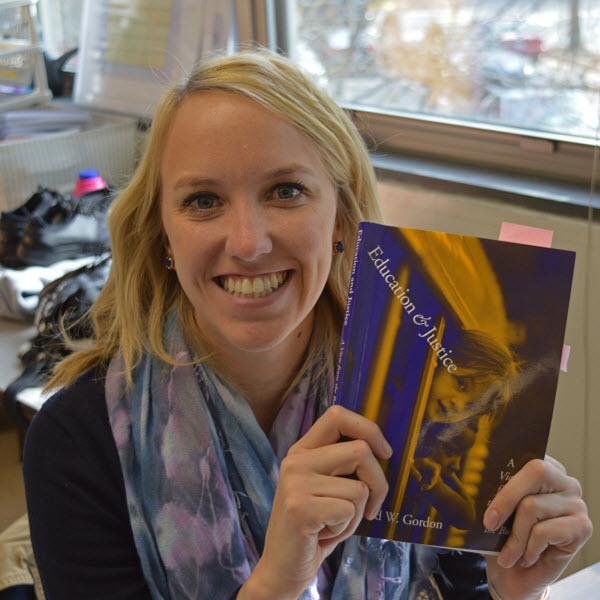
188, 181
193, 181
290, 170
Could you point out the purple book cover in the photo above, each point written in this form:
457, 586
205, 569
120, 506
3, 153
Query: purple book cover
452, 344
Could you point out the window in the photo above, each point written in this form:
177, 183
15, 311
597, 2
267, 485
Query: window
510, 83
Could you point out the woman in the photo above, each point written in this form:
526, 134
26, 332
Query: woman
188, 456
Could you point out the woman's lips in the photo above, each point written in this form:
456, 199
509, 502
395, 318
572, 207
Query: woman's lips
242, 286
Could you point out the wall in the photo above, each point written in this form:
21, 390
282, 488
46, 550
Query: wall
574, 439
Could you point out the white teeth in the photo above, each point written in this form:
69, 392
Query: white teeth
254, 287
246, 287
258, 286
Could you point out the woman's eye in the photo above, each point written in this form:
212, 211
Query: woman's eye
288, 191
201, 201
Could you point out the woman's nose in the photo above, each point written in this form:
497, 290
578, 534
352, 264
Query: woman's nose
248, 235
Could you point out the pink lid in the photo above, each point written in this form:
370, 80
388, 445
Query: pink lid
88, 181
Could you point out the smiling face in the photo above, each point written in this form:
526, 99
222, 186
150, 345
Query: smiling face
249, 215
454, 397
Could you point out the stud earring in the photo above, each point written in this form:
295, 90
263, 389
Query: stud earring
169, 263
338, 247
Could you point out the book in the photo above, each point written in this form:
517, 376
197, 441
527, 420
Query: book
453, 345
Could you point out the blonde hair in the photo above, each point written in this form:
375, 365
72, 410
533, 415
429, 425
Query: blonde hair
130, 311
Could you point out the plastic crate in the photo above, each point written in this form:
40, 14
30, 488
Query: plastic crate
53, 160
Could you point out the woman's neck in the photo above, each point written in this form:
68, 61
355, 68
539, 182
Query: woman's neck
265, 376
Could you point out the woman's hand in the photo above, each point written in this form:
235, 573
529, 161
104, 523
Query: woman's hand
551, 523
326, 486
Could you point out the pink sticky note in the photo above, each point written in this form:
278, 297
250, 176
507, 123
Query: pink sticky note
564, 361
523, 234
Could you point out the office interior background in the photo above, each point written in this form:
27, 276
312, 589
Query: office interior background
476, 112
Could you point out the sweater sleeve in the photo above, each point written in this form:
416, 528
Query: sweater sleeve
80, 528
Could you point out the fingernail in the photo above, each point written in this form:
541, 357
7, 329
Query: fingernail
525, 563
491, 519
376, 513
504, 558
388, 450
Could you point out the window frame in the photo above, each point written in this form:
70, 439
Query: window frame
504, 149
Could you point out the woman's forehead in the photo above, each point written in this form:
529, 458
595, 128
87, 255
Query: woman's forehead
223, 132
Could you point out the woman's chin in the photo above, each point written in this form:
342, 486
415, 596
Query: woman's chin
261, 338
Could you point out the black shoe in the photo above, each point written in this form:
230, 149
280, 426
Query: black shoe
65, 235
13, 223
63, 306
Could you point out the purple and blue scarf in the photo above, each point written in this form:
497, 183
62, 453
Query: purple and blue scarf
200, 477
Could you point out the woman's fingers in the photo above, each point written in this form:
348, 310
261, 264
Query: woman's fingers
561, 535
541, 521
554, 462
304, 508
330, 514
339, 423
343, 459
536, 477
321, 451
347, 490
549, 513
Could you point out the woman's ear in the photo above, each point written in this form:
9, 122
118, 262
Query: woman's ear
166, 244
338, 230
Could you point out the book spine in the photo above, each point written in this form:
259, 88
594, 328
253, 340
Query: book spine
339, 371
